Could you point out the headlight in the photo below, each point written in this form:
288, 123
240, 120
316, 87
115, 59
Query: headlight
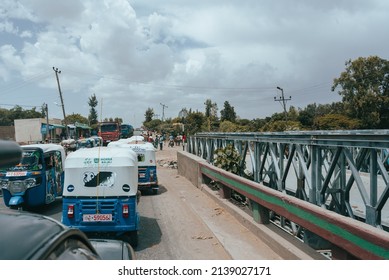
21, 185
30, 182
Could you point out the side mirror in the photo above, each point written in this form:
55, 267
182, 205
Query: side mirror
10, 153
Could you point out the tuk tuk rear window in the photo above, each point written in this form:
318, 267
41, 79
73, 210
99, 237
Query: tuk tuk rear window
101, 179
141, 157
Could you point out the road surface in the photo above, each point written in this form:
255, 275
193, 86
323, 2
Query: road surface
182, 223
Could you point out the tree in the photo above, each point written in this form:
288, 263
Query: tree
336, 122
228, 113
153, 124
364, 87
211, 115
210, 109
5, 118
194, 122
92, 102
227, 126
149, 115
118, 120
73, 118
307, 116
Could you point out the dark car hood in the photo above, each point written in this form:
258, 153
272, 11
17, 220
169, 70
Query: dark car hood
21, 235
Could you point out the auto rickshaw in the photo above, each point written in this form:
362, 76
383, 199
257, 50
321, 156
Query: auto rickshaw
101, 193
37, 179
147, 163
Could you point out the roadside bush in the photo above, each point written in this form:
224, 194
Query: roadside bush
228, 158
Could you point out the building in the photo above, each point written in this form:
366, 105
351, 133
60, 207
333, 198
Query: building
28, 131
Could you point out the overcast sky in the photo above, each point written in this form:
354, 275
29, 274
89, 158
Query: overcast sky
143, 53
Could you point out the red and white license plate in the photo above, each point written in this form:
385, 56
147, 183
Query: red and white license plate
16, 173
97, 217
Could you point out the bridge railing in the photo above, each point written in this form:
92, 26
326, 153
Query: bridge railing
340, 171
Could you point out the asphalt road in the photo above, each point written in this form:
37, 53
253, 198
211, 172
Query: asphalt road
183, 223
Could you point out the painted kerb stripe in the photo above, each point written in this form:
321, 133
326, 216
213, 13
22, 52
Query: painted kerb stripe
313, 219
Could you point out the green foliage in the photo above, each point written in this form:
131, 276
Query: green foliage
336, 122
227, 126
308, 116
228, 158
228, 113
7, 117
73, 118
153, 125
256, 125
364, 87
93, 118
194, 122
281, 125
149, 114
210, 109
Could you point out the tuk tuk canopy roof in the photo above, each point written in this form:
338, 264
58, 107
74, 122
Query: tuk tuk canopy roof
46, 148
101, 172
101, 156
79, 125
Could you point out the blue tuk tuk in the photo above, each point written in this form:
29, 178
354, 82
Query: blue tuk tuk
147, 163
101, 193
37, 180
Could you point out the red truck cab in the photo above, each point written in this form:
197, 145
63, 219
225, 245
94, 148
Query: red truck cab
109, 131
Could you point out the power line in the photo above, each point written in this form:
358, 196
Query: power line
17, 85
13, 105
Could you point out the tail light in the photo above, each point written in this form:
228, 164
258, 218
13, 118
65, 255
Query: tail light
70, 211
125, 210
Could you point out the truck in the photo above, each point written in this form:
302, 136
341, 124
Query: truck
127, 131
109, 131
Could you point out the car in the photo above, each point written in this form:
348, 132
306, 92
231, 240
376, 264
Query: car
111, 249
30, 236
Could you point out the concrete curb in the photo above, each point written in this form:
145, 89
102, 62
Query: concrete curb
288, 247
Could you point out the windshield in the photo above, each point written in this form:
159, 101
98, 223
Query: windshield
30, 161
108, 127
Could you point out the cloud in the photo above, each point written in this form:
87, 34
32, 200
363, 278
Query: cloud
136, 54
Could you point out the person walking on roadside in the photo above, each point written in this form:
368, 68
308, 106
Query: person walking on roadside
183, 141
161, 142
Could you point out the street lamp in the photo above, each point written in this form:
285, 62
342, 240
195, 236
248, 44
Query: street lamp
283, 100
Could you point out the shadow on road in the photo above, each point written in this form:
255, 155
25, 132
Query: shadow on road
161, 190
149, 234
50, 209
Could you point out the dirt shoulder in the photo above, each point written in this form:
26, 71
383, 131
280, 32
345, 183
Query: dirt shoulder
167, 154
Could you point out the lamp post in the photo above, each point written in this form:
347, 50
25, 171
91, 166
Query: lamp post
283, 100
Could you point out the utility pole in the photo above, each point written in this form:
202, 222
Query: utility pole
283, 100
63, 106
45, 107
163, 111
